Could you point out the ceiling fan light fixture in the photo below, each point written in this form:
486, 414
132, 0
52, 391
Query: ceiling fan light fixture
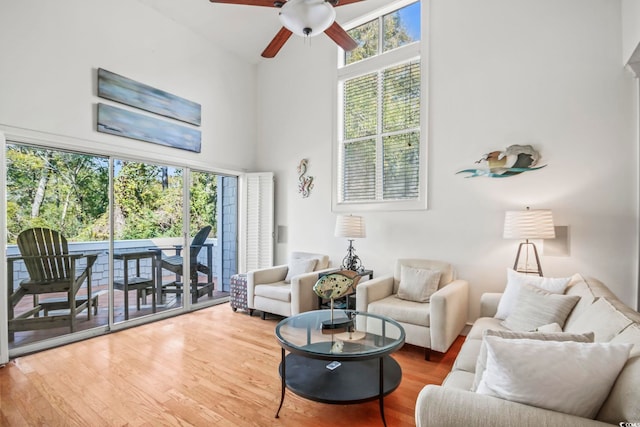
307, 18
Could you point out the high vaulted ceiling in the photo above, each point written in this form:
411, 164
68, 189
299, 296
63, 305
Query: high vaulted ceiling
244, 30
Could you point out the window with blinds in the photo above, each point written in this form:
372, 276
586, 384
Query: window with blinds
380, 149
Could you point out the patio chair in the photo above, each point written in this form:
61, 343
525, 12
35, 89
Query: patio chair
52, 269
174, 264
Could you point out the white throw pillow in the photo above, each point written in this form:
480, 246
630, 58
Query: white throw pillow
300, 266
569, 377
481, 361
535, 307
516, 280
417, 284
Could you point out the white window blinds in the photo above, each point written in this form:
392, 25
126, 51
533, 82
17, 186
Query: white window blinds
381, 135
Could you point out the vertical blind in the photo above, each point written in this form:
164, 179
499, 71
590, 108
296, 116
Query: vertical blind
259, 221
381, 135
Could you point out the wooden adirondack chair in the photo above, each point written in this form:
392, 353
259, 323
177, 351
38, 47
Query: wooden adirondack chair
174, 264
51, 270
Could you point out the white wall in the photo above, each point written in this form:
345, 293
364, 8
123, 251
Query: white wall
630, 28
502, 72
50, 52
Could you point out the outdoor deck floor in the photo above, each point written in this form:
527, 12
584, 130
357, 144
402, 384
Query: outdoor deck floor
83, 323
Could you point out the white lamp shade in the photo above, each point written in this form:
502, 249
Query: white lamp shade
307, 17
351, 226
529, 224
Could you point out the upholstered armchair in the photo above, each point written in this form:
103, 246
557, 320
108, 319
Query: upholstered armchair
286, 290
424, 297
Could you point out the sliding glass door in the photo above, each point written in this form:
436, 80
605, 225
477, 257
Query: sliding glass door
142, 239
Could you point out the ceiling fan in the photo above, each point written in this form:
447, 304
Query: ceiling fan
306, 18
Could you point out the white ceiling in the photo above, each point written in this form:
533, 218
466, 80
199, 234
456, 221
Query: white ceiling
244, 30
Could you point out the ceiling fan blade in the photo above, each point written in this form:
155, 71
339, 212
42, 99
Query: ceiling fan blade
340, 36
276, 44
343, 2
266, 3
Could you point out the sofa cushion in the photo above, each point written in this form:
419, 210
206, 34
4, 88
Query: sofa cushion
458, 379
603, 318
417, 284
570, 377
623, 401
482, 324
468, 356
535, 307
515, 281
280, 291
415, 313
481, 360
300, 266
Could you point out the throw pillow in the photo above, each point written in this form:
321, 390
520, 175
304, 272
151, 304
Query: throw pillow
569, 377
602, 318
417, 284
300, 266
481, 362
516, 280
535, 307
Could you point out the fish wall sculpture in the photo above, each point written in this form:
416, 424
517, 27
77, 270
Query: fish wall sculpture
514, 160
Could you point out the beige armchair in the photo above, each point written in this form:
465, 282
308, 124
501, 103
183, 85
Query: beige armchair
433, 325
286, 290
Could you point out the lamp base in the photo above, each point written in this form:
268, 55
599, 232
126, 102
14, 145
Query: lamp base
538, 271
351, 261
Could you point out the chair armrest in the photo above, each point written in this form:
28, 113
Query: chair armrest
452, 407
373, 290
448, 313
264, 275
303, 298
489, 304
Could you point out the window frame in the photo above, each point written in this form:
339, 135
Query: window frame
413, 51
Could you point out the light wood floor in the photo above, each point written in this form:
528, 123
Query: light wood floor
210, 367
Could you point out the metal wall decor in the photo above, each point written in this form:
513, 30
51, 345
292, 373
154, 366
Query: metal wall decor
305, 184
514, 160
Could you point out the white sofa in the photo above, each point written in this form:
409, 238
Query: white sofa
269, 292
454, 404
433, 325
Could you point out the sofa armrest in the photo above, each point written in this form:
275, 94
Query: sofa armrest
373, 290
489, 304
303, 298
264, 275
449, 313
451, 407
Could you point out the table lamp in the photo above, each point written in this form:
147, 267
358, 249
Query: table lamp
351, 227
528, 224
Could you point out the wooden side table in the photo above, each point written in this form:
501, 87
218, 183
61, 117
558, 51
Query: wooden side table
136, 282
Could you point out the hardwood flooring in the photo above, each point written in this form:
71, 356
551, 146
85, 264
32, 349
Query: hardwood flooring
209, 367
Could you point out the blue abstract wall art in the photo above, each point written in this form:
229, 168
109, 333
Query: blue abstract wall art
139, 95
117, 121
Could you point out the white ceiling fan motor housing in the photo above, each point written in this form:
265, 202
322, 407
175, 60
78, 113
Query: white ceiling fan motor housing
307, 18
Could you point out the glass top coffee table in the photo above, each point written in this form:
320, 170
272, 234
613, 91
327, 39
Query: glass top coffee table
347, 365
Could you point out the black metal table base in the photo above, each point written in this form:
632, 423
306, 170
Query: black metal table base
352, 382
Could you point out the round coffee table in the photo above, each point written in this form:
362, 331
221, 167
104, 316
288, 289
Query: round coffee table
340, 366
